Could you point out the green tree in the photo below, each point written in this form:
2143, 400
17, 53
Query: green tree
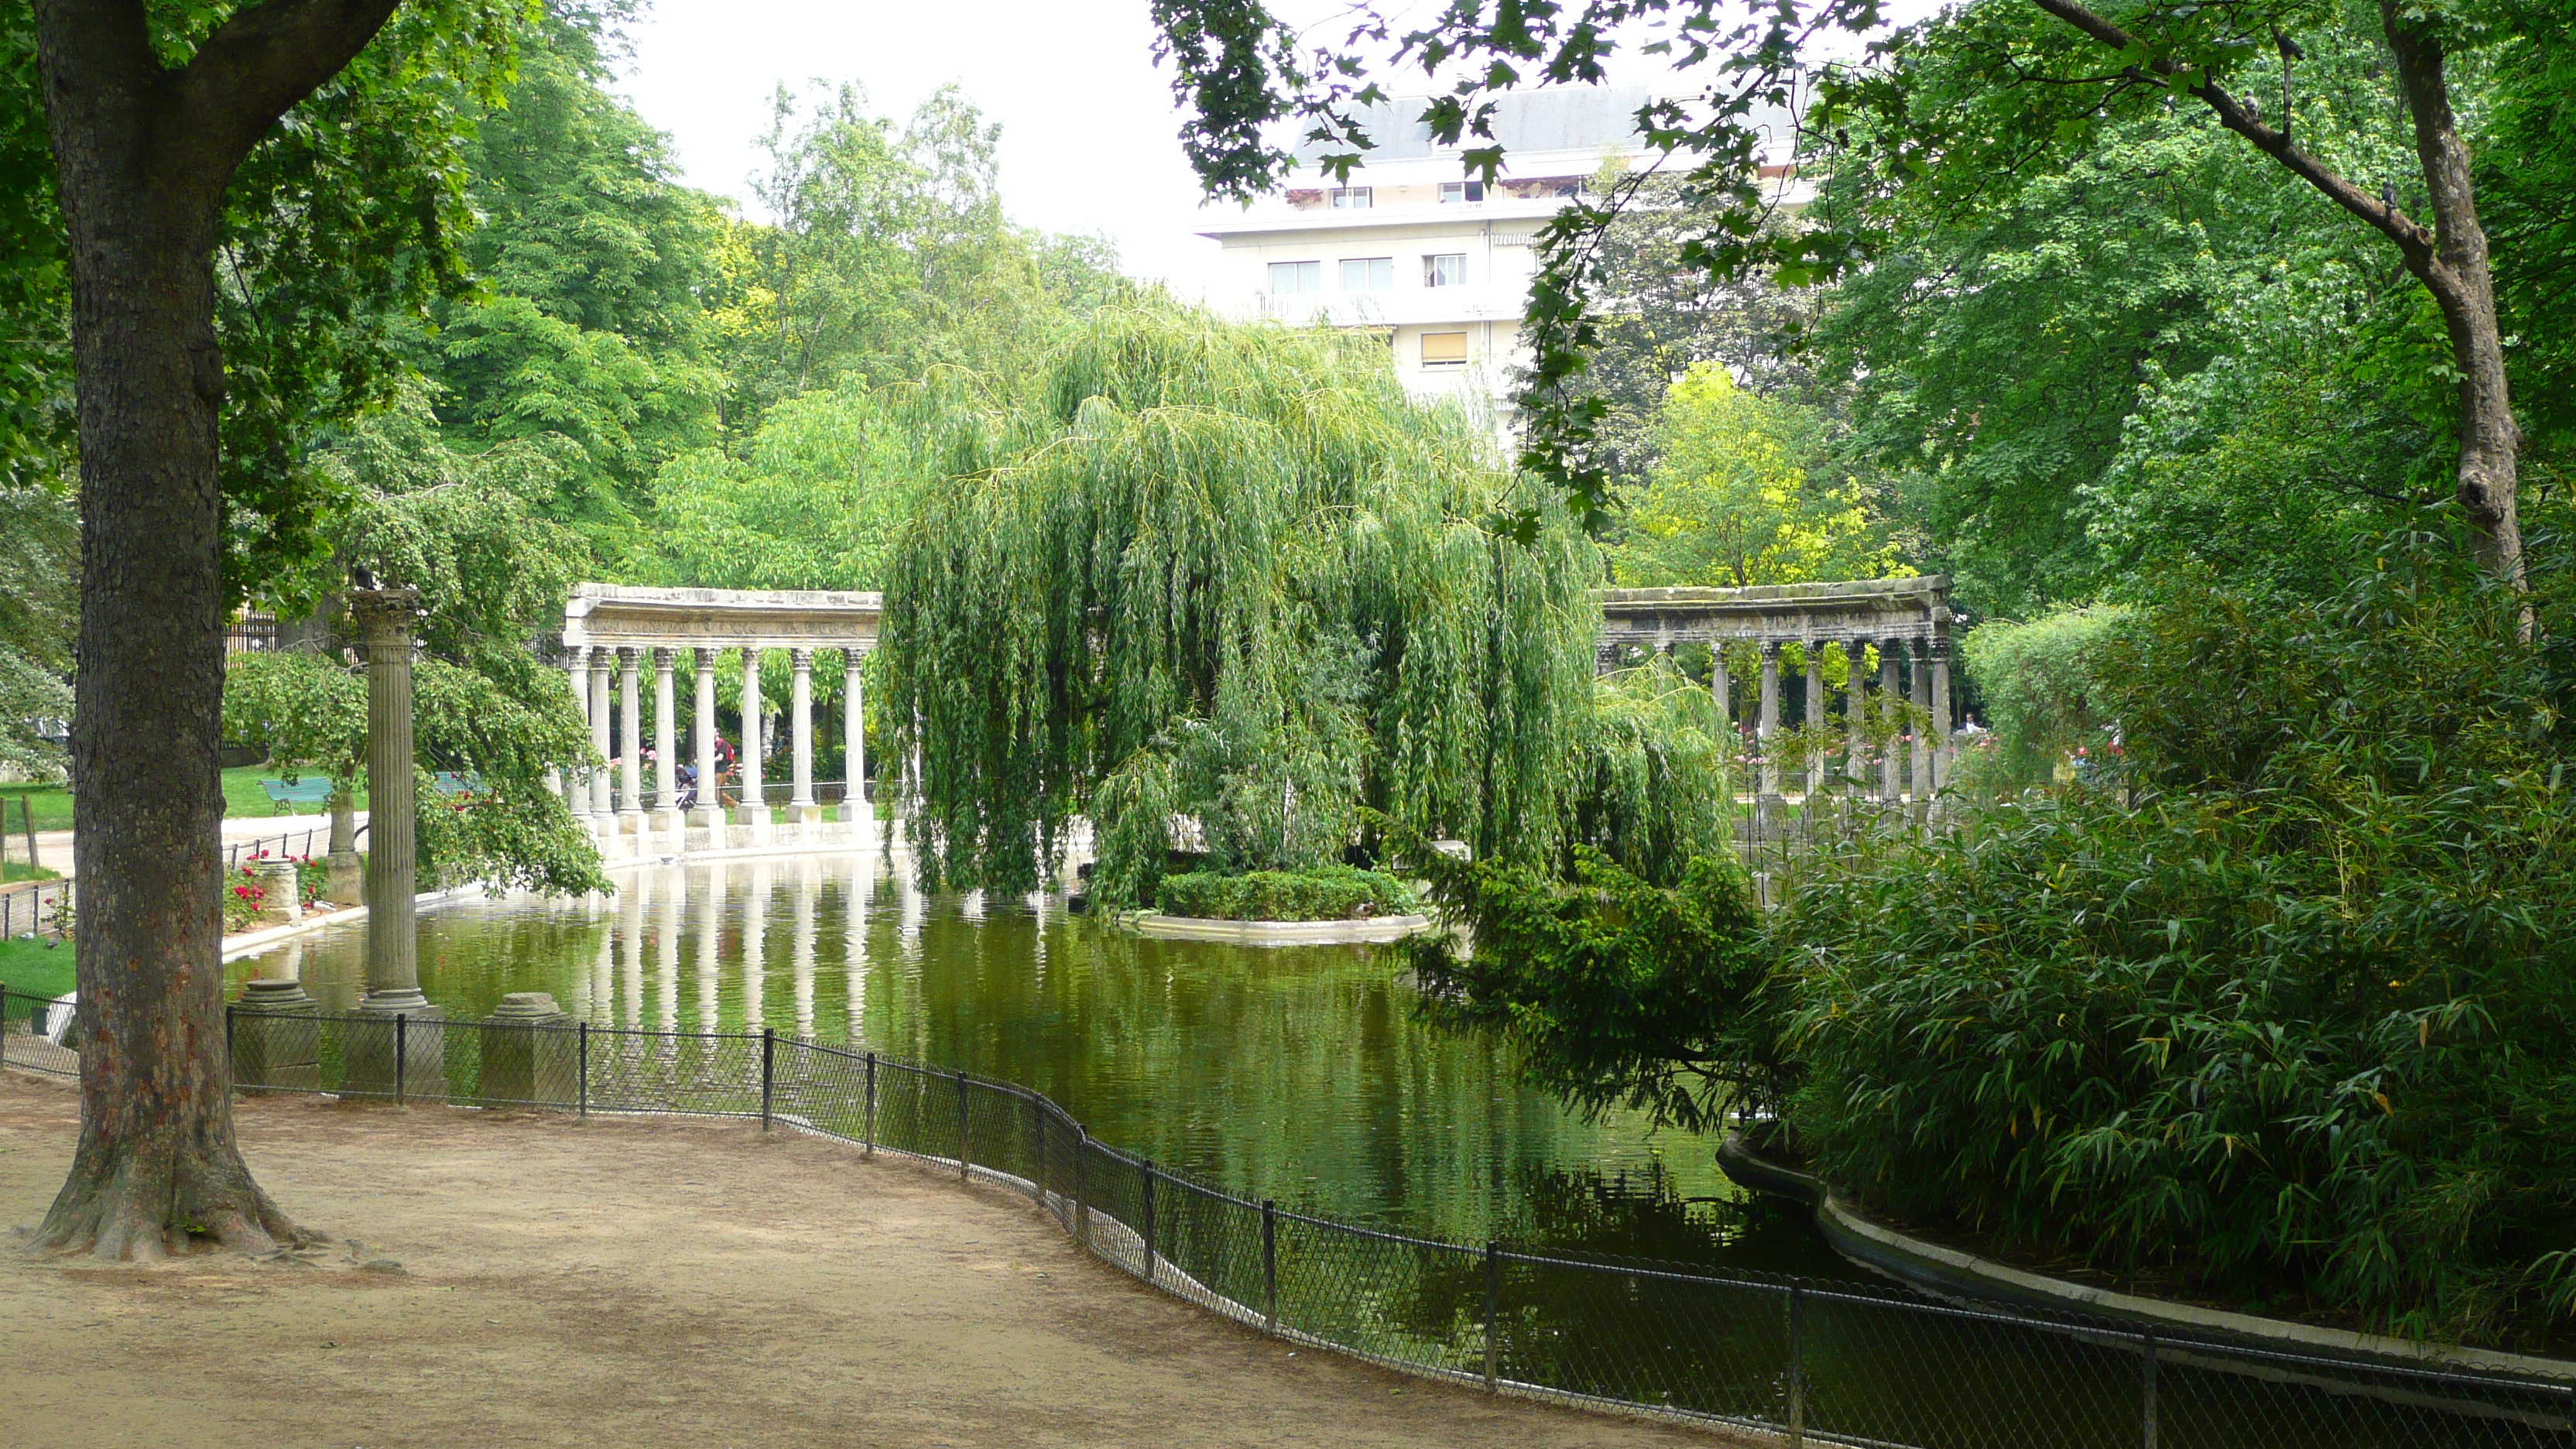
168, 159
1743, 493
1966, 106
39, 544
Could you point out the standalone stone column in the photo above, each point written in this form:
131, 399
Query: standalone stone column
800, 799
754, 813
710, 799
1767, 731
1814, 652
409, 1058
630, 745
854, 751
1941, 756
666, 751
1891, 696
1856, 714
577, 674
603, 810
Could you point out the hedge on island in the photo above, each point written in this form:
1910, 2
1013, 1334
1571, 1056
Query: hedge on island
1321, 893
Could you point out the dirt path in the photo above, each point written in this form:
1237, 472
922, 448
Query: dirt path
645, 1284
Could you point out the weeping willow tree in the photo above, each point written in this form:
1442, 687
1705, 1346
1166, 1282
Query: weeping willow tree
1229, 578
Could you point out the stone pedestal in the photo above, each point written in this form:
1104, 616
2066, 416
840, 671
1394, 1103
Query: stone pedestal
277, 1045
282, 894
531, 1054
345, 885
395, 1050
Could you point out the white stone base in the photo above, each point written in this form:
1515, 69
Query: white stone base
1277, 933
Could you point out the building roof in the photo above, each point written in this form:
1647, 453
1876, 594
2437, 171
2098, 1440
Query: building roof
1560, 118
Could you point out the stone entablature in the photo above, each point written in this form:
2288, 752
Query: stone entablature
631, 616
1870, 611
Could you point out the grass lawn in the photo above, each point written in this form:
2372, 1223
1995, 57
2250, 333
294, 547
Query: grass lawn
242, 798
20, 870
28, 967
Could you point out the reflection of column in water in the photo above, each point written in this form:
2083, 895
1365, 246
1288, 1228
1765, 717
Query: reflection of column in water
675, 880
630, 925
1037, 903
808, 877
710, 934
908, 891
854, 943
755, 925
973, 906
603, 976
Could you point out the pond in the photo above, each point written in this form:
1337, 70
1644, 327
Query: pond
1296, 1073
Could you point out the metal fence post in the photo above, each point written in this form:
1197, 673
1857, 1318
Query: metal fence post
1493, 1299
1149, 1220
871, 1140
2147, 1393
768, 1071
1797, 1366
964, 1147
583, 1071
1037, 1151
1081, 1184
402, 1050
228, 1027
1269, 1266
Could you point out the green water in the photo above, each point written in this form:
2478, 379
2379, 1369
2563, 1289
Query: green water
1294, 1073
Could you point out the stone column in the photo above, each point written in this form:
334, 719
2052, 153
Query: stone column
602, 809
577, 673
1919, 759
409, 1058
276, 1041
1891, 695
854, 751
710, 800
754, 813
1815, 672
630, 745
800, 797
531, 1055
1767, 731
1856, 714
1721, 688
1941, 756
666, 751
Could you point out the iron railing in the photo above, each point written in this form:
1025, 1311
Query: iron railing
40, 908
1802, 1359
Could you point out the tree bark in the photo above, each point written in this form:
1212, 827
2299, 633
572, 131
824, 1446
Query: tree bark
143, 155
2450, 259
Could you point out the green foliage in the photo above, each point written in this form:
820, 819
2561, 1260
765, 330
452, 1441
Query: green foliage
1229, 573
2304, 1011
2042, 683
1743, 493
1650, 790
1616, 992
1317, 893
814, 502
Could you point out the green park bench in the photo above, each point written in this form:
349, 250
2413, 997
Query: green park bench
449, 782
302, 792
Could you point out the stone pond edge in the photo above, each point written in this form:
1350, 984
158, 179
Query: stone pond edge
1275, 933
1938, 1268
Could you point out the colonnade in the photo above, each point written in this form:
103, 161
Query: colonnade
1890, 739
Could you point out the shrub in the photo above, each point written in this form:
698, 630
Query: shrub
2043, 686
1323, 893
2306, 1007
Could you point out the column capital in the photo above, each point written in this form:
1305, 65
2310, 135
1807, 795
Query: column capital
396, 606
664, 656
577, 656
800, 658
628, 655
1770, 648
707, 658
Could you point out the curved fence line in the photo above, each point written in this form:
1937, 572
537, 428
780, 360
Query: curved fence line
1803, 1360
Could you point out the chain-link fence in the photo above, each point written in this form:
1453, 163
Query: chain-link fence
1828, 1362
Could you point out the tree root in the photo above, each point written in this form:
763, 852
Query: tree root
144, 1201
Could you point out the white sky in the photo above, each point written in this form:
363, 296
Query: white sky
1088, 126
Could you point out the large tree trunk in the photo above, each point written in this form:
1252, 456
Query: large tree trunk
156, 1154
142, 155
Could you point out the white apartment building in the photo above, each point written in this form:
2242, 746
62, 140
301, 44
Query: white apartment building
1408, 247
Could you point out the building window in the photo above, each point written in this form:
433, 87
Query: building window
1367, 274
1350, 198
1462, 191
1286, 277
1446, 270
1444, 349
